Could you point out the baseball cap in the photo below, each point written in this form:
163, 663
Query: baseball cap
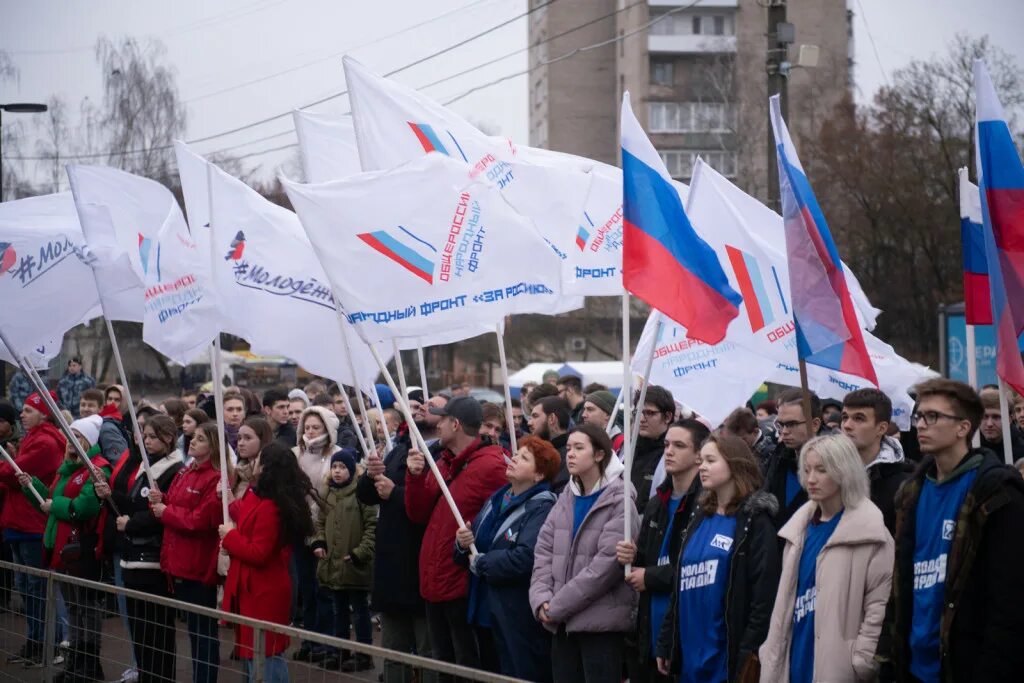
465, 409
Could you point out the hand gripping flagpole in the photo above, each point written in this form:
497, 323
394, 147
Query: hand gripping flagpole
18, 470
421, 444
627, 459
658, 325
136, 429
215, 366
423, 372
508, 390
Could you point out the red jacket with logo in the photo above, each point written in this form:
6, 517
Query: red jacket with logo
40, 454
472, 476
190, 520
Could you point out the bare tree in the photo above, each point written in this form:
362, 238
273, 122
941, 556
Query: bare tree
54, 141
12, 133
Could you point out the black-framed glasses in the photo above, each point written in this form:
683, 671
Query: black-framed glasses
791, 425
650, 414
930, 417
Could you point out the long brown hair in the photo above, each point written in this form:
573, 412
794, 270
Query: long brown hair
599, 441
164, 429
746, 474
209, 430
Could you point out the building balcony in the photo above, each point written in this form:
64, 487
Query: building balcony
704, 4
690, 44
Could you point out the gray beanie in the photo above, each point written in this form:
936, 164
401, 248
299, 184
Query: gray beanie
604, 399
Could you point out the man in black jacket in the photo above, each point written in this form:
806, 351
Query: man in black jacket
275, 409
571, 389
396, 583
866, 416
957, 595
655, 415
549, 420
794, 430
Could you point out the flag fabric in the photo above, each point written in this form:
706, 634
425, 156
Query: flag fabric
665, 262
46, 284
423, 249
977, 306
264, 267
328, 146
1001, 184
139, 219
828, 332
395, 124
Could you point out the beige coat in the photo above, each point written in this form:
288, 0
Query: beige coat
853, 578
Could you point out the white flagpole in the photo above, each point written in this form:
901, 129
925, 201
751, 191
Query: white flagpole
351, 418
508, 390
972, 371
659, 323
136, 430
384, 427
423, 372
421, 444
215, 366
355, 383
615, 414
1004, 419
18, 470
400, 369
627, 459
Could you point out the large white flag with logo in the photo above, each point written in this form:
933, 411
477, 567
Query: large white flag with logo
126, 216
276, 294
423, 249
328, 146
46, 284
395, 124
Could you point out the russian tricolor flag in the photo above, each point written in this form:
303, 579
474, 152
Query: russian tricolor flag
664, 261
1001, 183
828, 334
977, 306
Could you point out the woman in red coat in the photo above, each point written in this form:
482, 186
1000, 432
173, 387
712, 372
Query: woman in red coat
269, 519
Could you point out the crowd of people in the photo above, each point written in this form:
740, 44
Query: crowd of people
799, 540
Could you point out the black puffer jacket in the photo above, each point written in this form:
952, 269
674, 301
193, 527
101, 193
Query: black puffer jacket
982, 623
645, 461
143, 534
750, 594
781, 461
648, 547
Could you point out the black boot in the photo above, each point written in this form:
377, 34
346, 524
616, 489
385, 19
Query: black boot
360, 662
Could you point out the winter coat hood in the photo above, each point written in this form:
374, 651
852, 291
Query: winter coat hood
612, 472
330, 421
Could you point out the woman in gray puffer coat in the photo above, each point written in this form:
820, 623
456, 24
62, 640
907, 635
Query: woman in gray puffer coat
577, 590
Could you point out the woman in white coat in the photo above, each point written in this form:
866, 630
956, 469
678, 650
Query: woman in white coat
837, 560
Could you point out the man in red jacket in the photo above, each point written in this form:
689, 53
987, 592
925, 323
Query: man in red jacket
473, 468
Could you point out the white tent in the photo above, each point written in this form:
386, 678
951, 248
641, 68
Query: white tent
608, 373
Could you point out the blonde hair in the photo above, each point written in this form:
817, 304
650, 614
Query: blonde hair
842, 463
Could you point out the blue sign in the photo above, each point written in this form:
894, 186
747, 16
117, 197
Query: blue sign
984, 347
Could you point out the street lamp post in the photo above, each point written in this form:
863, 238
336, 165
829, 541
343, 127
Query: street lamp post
14, 108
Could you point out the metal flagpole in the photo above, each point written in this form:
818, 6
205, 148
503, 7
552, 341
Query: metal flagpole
627, 459
972, 371
421, 444
351, 418
659, 323
423, 373
355, 383
215, 366
508, 390
1004, 419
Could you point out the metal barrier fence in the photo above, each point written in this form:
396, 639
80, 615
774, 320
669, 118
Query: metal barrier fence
96, 634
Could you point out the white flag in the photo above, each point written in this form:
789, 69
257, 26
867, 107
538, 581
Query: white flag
275, 292
126, 216
395, 124
46, 285
421, 249
328, 146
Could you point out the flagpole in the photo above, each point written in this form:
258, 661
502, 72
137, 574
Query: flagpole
423, 372
215, 366
659, 323
1004, 419
18, 470
384, 427
136, 429
807, 396
508, 391
352, 417
615, 414
421, 444
972, 371
627, 459
400, 368
355, 383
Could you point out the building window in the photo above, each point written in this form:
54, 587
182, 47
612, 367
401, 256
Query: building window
679, 162
689, 117
661, 73
680, 24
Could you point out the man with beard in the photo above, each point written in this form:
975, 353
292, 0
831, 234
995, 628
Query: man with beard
425, 420
571, 389
656, 414
550, 421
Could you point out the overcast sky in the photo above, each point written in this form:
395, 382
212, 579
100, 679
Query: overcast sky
219, 49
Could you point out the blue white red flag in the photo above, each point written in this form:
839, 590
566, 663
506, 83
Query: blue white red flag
1001, 183
664, 260
828, 333
977, 306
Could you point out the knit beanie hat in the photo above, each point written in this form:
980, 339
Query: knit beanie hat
347, 457
89, 427
604, 399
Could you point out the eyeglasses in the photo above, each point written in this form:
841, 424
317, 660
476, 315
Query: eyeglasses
930, 417
789, 426
650, 414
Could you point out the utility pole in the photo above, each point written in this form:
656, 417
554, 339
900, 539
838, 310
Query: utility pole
780, 34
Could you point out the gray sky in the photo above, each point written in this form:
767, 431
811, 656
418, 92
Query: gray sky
222, 46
